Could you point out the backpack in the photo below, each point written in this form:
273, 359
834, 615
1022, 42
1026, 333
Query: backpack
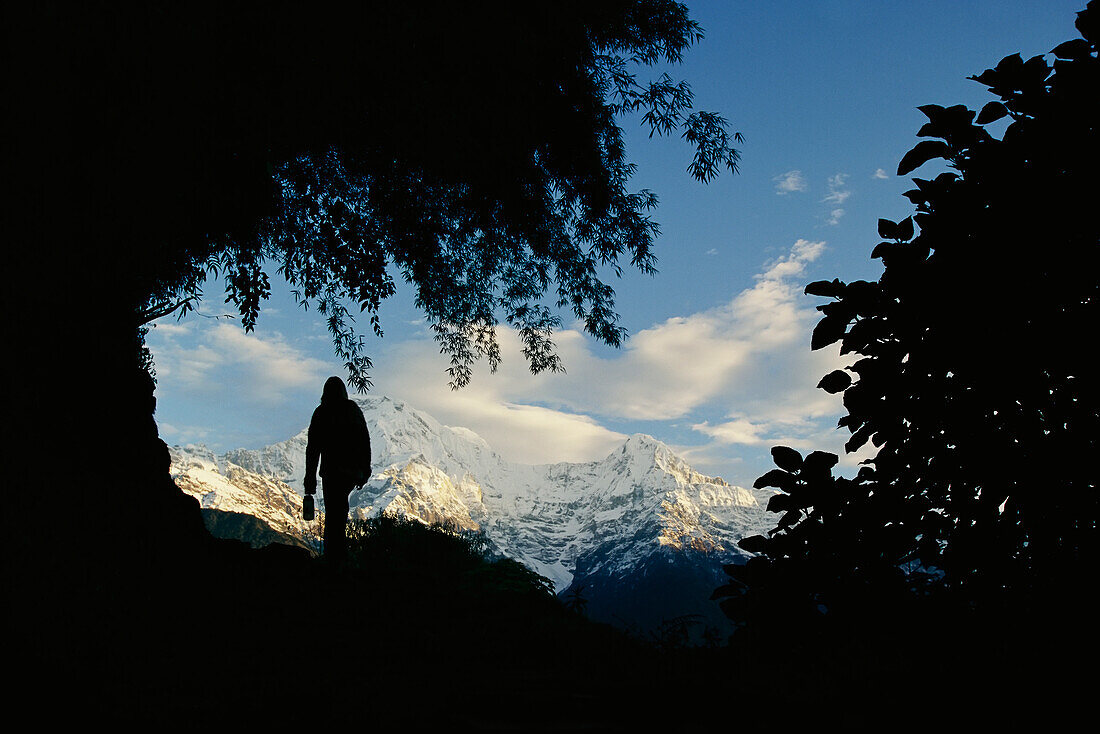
359, 445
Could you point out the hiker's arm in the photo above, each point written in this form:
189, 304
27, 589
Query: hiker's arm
313, 453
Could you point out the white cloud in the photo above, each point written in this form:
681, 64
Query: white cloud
270, 361
173, 434
712, 251
171, 328
738, 431
880, 173
789, 182
262, 368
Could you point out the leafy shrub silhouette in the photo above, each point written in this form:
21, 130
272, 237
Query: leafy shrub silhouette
507, 575
396, 539
451, 558
974, 380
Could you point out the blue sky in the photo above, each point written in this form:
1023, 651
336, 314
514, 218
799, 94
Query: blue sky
718, 364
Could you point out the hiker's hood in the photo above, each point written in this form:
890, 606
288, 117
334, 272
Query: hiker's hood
334, 392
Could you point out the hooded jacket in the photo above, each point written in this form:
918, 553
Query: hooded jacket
338, 437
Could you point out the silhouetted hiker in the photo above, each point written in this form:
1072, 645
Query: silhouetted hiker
338, 436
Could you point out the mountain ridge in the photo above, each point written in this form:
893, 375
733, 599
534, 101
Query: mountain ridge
609, 518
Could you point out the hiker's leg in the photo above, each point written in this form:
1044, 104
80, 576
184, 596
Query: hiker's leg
336, 518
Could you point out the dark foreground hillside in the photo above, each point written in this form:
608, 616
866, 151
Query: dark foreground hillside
420, 630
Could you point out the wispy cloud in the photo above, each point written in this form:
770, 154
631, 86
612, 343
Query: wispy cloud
791, 181
880, 173
838, 194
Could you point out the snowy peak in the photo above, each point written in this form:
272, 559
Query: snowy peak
640, 454
643, 448
643, 443
400, 432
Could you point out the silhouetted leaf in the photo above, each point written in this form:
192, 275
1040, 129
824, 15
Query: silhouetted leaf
835, 381
905, 229
831, 288
859, 297
928, 130
786, 458
855, 443
887, 229
991, 113
818, 462
1078, 48
931, 111
790, 518
953, 124
780, 503
884, 250
1010, 65
829, 330
921, 153
775, 478
752, 544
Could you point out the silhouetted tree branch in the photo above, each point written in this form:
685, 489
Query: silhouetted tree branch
472, 151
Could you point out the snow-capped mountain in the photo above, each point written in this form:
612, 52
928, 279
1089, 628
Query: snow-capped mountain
605, 519
221, 485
